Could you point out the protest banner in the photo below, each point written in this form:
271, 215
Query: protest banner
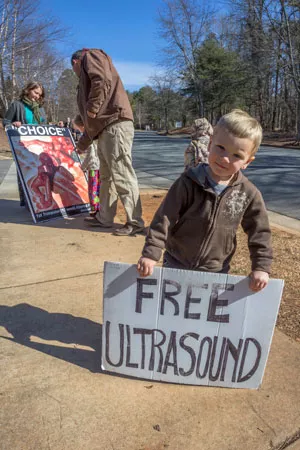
50, 171
187, 327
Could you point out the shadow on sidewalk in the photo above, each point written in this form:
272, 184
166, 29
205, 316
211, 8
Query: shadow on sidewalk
12, 212
29, 324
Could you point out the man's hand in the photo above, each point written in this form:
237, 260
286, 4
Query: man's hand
91, 115
258, 280
145, 266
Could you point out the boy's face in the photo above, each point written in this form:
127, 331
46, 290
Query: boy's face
228, 154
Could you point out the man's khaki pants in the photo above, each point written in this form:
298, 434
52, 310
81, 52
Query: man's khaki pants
118, 178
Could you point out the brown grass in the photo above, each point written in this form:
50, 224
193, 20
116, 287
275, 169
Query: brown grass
286, 265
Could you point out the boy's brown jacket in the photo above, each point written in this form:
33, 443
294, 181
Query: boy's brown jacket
198, 228
100, 91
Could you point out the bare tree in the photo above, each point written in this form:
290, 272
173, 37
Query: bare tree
25, 41
143, 105
183, 25
255, 44
167, 98
66, 95
288, 30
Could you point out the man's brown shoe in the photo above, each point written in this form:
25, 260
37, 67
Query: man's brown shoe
93, 222
128, 230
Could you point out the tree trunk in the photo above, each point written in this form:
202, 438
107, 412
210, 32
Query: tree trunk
298, 117
166, 121
275, 107
13, 52
139, 115
3, 39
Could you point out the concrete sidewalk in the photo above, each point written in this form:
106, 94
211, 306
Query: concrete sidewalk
53, 393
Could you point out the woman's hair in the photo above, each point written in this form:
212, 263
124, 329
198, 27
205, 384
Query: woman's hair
242, 125
33, 85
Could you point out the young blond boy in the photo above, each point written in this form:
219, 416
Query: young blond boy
198, 220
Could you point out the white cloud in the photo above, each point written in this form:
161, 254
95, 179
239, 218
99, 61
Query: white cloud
135, 73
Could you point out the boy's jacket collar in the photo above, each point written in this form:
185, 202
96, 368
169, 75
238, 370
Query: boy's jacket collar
198, 174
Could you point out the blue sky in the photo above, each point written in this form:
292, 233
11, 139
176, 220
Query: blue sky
125, 29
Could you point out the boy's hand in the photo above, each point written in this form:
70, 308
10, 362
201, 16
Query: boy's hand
145, 266
258, 280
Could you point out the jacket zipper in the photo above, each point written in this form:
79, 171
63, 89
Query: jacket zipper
210, 229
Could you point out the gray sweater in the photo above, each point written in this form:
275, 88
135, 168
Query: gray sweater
15, 113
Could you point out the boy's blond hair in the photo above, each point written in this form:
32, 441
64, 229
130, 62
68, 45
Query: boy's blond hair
242, 125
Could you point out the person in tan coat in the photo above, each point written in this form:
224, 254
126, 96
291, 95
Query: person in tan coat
197, 151
107, 116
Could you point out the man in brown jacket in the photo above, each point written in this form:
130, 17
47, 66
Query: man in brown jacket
107, 116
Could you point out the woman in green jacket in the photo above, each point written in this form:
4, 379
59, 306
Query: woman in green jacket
27, 110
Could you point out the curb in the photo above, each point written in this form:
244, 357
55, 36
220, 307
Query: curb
278, 221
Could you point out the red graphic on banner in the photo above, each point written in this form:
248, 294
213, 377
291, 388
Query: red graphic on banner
52, 174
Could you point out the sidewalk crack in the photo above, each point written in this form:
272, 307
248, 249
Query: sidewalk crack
287, 441
51, 281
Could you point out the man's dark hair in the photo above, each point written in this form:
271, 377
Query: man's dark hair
76, 55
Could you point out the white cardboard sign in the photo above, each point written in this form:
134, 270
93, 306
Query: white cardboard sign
187, 327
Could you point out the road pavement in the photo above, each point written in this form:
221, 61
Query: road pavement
4, 168
158, 161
